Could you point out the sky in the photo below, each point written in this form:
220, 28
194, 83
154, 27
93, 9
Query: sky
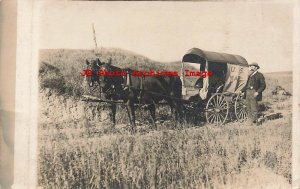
261, 32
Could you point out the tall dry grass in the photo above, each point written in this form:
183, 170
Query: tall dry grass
77, 155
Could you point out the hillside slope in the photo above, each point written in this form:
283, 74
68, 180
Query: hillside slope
60, 69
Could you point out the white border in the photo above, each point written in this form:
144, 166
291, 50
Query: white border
296, 101
25, 157
25, 164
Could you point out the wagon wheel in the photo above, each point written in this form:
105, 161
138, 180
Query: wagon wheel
217, 109
240, 109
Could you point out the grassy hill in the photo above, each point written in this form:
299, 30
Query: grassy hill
60, 69
283, 79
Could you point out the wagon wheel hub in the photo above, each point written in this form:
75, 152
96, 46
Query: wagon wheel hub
217, 110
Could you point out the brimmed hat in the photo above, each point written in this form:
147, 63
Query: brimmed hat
254, 64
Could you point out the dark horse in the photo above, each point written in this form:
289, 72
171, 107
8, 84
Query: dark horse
136, 90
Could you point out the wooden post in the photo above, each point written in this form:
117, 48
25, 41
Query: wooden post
94, 36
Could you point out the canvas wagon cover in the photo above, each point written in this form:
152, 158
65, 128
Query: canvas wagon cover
237, 66
236, 78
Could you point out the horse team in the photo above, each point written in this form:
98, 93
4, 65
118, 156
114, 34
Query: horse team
136, 90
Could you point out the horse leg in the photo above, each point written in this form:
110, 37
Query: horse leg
129, 116
179, 111
173, 109
112, 114
130, 106
176, 109
152, 113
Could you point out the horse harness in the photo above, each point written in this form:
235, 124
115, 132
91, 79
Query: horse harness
127, 84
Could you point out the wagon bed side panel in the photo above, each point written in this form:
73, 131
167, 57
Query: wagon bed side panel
236, 78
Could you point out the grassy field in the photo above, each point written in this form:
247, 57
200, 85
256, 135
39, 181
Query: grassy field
77, 156
85, 153
60, 69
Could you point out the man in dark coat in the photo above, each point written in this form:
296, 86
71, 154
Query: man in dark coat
253, 89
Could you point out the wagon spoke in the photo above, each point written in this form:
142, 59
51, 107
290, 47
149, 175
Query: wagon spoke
219, 99
222, 116
217, 109
222, 101
240, 112
222, 106
213, 118
220, 119
210, 116
222, 110
214, 102
245, 112
243, 115
210, 105
210, 110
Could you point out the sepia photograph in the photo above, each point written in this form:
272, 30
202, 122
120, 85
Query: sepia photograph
155, 94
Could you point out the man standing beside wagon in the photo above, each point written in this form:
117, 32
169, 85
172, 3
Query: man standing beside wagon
253, 90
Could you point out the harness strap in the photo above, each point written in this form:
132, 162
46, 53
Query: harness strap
127, 80
141, 87
128, 85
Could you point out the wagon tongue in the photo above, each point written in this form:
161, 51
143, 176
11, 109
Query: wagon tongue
90, 98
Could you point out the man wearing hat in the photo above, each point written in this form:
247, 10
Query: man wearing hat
253, 89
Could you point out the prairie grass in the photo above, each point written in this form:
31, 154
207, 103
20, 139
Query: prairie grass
77, 155
88, 153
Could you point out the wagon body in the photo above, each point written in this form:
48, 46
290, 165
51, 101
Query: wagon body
220, 92
217, 95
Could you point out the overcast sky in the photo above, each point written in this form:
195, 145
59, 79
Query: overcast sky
164, 31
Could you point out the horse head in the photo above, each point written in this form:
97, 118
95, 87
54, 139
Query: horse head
110, 77
94, 66
104, 78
